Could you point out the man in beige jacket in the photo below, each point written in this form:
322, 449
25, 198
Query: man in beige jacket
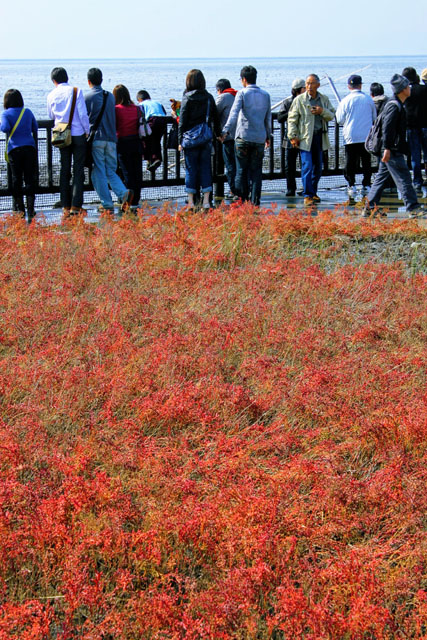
308, 132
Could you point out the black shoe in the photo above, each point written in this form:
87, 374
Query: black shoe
300, 192
290, 193
154, 165
126, 200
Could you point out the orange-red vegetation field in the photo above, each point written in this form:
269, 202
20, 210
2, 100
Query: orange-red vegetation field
212, 428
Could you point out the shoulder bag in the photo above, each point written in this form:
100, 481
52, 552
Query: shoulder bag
198, 135
144, 128
91, 136
61, 133
15, 126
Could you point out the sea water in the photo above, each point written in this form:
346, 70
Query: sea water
165, 78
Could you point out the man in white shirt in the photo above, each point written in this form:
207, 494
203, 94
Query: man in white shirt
59, 103
356, 112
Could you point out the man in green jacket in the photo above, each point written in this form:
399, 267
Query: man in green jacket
308, 132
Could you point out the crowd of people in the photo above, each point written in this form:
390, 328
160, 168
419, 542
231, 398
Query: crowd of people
108, 131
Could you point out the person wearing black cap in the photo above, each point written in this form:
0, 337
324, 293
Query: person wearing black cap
394, 145
357, 113
416, 116
291, 154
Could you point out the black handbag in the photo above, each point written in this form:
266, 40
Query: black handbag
172, 140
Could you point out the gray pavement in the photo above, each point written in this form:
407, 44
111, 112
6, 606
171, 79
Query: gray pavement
335, 199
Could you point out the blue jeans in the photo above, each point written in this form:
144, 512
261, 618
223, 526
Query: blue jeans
198, 168
230, 163
417, 140
249, 156
311, 166
104, 156
397, 168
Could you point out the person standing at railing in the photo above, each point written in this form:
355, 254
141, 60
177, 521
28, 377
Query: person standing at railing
155, 115
104, 145
416, 114
224, 102
198, 115
59, 102
251, 115
356, 112
129, 148
291, 153
20, 127
308, 131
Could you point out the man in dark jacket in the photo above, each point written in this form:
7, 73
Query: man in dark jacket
393, 161
291, 154
416, 116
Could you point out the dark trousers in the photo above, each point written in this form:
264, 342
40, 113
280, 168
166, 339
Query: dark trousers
72, 195
129, 154
23, 168
397, 168
230, 163
353, 154
152, 143
291, 156
249, 157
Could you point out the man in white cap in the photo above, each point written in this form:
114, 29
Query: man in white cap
291, 154
393, 162
357, 113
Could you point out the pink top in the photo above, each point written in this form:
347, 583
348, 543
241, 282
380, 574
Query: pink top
127, 120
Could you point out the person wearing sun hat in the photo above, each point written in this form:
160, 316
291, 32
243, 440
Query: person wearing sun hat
291, 154
394, 145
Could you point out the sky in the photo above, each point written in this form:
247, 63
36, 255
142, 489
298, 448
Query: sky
215, 29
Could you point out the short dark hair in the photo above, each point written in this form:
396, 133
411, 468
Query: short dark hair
195, 80
94, 76
297, 92
121, 95
249, 73
313, 75
223, 84
410, 74
59, 75
143, 95
13, 98
376, 89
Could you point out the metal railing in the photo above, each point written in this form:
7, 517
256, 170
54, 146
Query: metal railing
172, 172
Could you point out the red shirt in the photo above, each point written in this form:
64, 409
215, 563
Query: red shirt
127, 120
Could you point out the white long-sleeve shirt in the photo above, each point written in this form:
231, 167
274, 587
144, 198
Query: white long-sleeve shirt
59, 107
356, 112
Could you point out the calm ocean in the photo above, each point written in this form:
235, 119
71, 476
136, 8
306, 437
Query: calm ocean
165, 78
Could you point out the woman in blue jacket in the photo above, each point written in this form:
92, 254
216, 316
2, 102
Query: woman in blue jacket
21, 151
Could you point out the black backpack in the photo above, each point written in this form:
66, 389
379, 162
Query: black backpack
373, 142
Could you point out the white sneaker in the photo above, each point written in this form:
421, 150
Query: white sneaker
351, 192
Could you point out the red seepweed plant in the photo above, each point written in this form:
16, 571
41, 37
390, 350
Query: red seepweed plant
211, 427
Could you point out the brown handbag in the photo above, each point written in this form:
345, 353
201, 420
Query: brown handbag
61, 133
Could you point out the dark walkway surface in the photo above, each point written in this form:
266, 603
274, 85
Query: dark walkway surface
331, 199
